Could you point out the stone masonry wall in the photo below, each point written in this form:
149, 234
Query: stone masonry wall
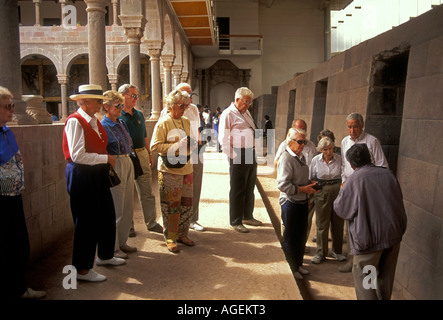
45, 199
419, 160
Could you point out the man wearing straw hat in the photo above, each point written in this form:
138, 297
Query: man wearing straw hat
84, 148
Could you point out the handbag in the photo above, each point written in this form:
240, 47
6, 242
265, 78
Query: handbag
138, 171
113, 178
181, 161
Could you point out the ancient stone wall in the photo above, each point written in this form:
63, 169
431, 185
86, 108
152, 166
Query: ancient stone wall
395, 81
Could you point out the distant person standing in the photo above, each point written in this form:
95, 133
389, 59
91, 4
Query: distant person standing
372, 201
135, 121
269, 144
237, 137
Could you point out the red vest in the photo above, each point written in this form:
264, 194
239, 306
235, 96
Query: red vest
93, 143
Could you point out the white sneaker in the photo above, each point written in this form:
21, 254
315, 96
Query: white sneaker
318, 258
91, 276
197, 227
303, 271
33, 294
110, 262
120, 254
338, 256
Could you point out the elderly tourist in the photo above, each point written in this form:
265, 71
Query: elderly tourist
120, 146
14, 237
237, 138
135, 121
295, 188
326, 169
173, 140
372, 201
87, 170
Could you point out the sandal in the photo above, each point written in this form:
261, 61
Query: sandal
186, 241
172, 246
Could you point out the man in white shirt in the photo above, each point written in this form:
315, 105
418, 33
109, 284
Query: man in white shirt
237, 138
355, 125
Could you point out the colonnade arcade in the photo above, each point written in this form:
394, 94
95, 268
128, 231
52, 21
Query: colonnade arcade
148, 50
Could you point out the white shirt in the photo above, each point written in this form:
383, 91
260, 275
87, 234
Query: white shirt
235, 130
325, 171
75, 137
377, 156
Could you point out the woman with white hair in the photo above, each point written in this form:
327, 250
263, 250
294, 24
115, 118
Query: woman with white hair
326, 169
172, 139
295, 186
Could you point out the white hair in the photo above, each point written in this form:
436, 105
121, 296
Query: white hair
324, 142
125, 87
242, 92
292, 133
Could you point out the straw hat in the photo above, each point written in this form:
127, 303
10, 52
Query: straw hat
89, 91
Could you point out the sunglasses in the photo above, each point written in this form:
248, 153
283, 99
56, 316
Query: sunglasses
118, 106
9, 106
300, 141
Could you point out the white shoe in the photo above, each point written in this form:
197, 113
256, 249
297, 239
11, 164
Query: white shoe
110, 262
338, 256
120, 254
33, 294
303, 271
91, 276
197, 227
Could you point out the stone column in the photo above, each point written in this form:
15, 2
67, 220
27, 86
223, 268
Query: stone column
114, 11
63, 81
62, 5
11, 75
167, 61
177, 71
154, 52
97, 42
113, 80
37, 12
184, 76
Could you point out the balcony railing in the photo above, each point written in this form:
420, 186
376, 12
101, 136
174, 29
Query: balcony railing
240, 44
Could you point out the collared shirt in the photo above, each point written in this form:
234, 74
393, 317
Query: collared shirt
76, 140
136, 126
12, 178
377, 156
320, 169
236, 130
119, 140
292, 172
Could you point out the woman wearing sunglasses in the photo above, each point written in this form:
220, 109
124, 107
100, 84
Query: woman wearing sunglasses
120, 145
295, 187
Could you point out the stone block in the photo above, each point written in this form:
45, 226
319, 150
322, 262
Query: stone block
39, 201
418, 56
438, 200
430, 149
418, 181
434, 62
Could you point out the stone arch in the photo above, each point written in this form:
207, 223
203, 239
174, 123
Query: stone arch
178, 49
168, 47
153, 27
29, 52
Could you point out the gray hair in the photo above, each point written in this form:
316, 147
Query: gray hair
176, 96
324, 142
5, 93
242, 92
356, 116
183, 86
292, 132
124, 88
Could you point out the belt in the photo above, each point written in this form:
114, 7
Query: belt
329, 182
140, 149
122, 155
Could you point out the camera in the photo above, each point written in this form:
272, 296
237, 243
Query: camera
317, 186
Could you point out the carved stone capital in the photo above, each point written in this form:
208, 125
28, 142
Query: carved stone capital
62, 79
167, 60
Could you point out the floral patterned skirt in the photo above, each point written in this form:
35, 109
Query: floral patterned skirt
176, 204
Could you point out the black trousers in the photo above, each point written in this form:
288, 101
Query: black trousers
14, 244
93, 212
243, 175
295, 219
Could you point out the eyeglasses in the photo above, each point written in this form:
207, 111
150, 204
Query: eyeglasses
9, 106
246, 102
182, 106
135, 96
300, 141
118, 106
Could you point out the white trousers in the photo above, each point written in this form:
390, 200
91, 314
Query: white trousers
123, 196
